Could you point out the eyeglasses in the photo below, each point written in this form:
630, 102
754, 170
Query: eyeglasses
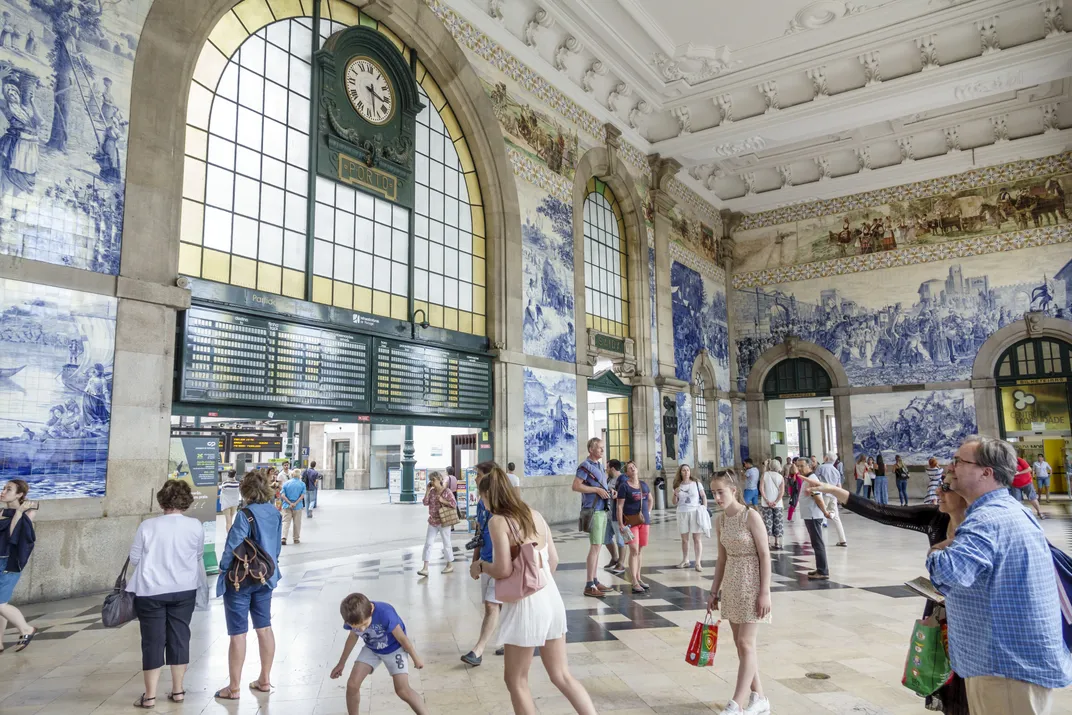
958, 461
946, 487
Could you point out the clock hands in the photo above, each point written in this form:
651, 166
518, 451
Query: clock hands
373, 93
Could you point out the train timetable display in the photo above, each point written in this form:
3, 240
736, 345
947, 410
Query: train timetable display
423, 380
245, 359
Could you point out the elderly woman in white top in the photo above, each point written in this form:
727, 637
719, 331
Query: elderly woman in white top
168, 569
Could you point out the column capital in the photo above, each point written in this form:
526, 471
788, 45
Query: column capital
662, 170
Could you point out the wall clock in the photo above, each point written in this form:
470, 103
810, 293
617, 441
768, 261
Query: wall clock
369, 90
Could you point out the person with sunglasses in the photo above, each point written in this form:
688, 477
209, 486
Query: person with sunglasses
939, 522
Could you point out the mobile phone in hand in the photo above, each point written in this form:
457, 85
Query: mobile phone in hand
33, 505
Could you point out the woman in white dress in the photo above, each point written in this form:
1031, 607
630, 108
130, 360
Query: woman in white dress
538, 620
690, 498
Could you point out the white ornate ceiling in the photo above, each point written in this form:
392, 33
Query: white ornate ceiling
777, 101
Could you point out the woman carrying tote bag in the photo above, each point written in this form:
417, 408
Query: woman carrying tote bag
440, 502
168, 560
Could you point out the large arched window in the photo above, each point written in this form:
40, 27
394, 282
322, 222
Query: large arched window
246, 217
605, 272
1035, 358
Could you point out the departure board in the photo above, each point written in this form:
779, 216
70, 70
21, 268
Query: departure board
415, 379
245, 359
254, 443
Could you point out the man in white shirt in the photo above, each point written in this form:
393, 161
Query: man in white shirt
1042, 471
828, 473
514, 481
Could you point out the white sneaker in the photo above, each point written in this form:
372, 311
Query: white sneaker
757, 705
732, 708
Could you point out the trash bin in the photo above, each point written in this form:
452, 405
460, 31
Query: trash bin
660, 493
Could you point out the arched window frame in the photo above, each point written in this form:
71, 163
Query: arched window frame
606, 262
297, 276
1043, 357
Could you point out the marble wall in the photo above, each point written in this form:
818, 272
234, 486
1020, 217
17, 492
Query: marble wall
66, 70
700, 322
914, 425
909, 324
56, 355
550, 423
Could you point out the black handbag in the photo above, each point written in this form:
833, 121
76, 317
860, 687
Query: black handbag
118, 608
251, 566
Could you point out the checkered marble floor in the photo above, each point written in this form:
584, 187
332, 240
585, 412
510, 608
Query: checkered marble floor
628, 651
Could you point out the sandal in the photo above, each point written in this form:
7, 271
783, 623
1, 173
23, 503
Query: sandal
24, 641
255, 686
219, 694
173, 696
140, 702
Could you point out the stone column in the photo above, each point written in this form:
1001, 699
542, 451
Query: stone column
358, 471
661, 171
643, 429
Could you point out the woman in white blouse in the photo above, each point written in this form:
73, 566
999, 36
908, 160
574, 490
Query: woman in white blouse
690, 498
167, 556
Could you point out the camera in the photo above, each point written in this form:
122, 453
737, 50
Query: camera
477, 542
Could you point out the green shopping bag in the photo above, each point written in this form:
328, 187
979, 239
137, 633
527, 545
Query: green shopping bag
927, 667
701, 650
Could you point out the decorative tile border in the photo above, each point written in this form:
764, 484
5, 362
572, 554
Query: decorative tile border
697, 263
539, 175
1013, 171
912, 255
636, 158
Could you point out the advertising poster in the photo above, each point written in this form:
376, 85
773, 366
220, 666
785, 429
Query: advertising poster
196, 461
1036, 406
471, 495
394, 483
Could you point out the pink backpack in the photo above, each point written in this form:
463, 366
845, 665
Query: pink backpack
527, 577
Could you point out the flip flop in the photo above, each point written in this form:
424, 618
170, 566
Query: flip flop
24, 641
255, 686
230, 694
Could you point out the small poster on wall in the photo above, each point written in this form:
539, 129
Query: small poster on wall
394, 483
196, 461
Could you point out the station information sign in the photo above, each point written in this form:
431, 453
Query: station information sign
230, 358
418, 379
235, 358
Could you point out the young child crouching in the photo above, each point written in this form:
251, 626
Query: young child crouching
386, 642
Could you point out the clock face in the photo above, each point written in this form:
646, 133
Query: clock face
369, 90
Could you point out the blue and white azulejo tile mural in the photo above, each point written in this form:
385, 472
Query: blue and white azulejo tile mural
56, 355
910, 324
725, 433
685, 451
657, 410
547, 259
915, 425
700, 321
65, 76
550, 423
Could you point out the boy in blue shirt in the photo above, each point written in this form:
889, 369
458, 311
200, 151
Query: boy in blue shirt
384, 633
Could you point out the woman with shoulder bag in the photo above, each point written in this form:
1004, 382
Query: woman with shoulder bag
168, 559
535, 620
436, 498
690, 498
900, 472
17, 539
634, 507
251, 602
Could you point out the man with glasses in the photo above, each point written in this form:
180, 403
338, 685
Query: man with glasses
997, 574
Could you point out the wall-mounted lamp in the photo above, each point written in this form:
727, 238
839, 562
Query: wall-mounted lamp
424, 322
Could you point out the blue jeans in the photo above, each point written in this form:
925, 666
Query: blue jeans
252, 602
310, 502
902, 491
882, 490
859, 486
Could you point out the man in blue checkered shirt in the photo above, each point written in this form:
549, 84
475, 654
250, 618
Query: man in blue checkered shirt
1001, 591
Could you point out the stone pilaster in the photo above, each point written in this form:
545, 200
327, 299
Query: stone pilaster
661, 171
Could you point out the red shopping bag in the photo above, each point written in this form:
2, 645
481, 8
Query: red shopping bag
701, 650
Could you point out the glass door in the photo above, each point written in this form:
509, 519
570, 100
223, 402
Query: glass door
619, 429
342, 459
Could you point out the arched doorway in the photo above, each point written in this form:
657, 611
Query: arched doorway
797, 402
1034, 393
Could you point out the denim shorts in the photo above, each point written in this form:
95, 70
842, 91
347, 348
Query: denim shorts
1044, 482
614, 535
240, 606
751, 496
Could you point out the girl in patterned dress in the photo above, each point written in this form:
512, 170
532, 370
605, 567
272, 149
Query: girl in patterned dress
741, 589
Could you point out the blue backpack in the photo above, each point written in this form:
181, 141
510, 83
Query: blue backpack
1062, 564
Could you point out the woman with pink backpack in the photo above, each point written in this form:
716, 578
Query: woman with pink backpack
533, 614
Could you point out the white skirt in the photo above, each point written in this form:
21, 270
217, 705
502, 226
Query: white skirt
688, 521
532, 621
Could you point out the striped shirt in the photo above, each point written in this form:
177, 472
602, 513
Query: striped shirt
1001, 595
934, 483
